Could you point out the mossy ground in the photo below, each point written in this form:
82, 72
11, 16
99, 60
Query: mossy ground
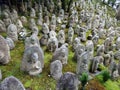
43, 81
40, 82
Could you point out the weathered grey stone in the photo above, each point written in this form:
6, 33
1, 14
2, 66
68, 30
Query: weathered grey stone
22, 34
40, 19
118, 43
44, 40
19, 25
61, 54
7, 22
75, 43
4, 51
52, 34
102, 33
23, 19
52, 44
71, 21
33, 60
107, 59
94, 64
118, 14
78, 51
61, 37
2, 26
70, 35
90, 48
100, 50
112, 68
77, 29
32, 13
12, 32
53, 20
32, 23
117, 55
95, 39
68, 81
11, 83
10, 43
61, 14
46, 20
14, 15
35, 30
56, 69
31, 41
45, 28
82, 63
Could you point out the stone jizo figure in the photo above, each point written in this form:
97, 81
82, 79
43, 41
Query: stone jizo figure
45, 28
10, 43
61, 54
52, 44
44, 40
70, 35
56, 69
75, 43
82, 63
61, 37
12, 32
11, 83
19, 25
32, 23
31, 41
32, 61
67, 81
2, 26
33, 13
4, 51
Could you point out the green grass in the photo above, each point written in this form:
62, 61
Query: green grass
43, 81
40, 82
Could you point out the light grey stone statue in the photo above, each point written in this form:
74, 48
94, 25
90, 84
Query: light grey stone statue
2, 26
56, 69
70, 35
19, 25
45, 28
31, 41
10, 43
11, 83
82, 63
40, 19
33, 60
75, 43
23, 20
44, 40
61, 37
4, 51
61, 54
52, 44
12, 32
67, 81
32, 13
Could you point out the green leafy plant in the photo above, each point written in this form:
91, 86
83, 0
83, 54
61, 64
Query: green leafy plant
111, 85
106, 75
84, 80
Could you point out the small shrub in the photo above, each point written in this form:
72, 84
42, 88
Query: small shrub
84, 79
106, 75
